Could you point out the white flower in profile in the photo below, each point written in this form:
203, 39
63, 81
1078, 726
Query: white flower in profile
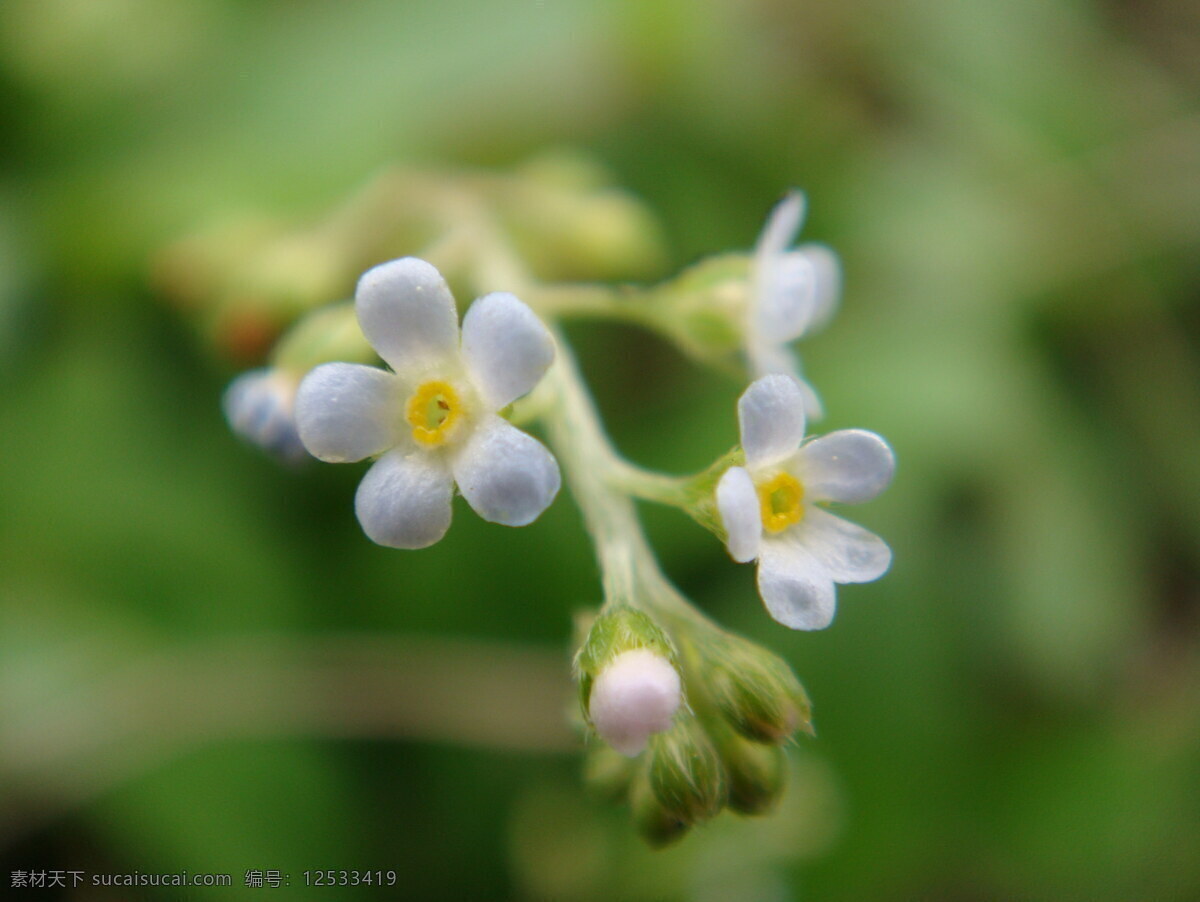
771, 507
259, 406
633, 697
434, 417
792, 293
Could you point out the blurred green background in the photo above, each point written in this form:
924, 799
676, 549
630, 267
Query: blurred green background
204, 664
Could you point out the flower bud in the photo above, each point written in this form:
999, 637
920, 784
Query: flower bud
704, 307
640, 696
657, 826
756, 771
686, 775
635, 696
756, 691
570, 226
259, 407
328, 334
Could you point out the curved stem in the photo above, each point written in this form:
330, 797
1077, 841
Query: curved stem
594, 470
630, 571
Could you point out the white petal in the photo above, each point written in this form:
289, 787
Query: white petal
782, 225
827, 283
798, 293
769, 359
846, 551
506, 348
407, 313
813, 408
771, 309
794, 586
634, 696
404, 500
506, 475
771, 417
346, 411
851, 466
737, 502
787, 302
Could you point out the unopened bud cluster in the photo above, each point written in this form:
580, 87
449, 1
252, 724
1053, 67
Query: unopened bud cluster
679, 764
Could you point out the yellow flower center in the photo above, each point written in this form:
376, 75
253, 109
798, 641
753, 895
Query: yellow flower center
781, 501
433, 410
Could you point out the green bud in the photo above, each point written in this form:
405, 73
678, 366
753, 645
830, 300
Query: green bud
297, 272
607, 773
656, 825
757, 772
569, 225
704, 307
615, 631
756, 691
701, 492
196, 272
566, 170
328, 334
686, 775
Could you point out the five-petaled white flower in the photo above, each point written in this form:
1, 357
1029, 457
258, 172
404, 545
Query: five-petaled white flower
770, 507
433, 418
792, 292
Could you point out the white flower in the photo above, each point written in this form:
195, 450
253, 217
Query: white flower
633, 697
770, 508
792, 293
433, 419
259, 406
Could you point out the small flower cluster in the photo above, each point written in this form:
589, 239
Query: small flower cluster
681, 762
693, 719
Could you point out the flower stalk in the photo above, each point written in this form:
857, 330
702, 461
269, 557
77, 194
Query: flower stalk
693, 719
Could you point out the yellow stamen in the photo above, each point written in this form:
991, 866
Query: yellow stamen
433, 411
781, 501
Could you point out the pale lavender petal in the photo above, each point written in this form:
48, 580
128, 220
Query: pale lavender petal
850, 466
847, 552
506, 348
794, 586
787, 302
506, 475
407, 313
771, 417
346, 411
827, 283
783, 223
737, 502
404, 500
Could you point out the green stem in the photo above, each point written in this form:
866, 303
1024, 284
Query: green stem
616, 303
649, 485
594, 470
629, 569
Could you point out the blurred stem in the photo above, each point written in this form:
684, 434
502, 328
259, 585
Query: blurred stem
607, 302
649, 485
55, 756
